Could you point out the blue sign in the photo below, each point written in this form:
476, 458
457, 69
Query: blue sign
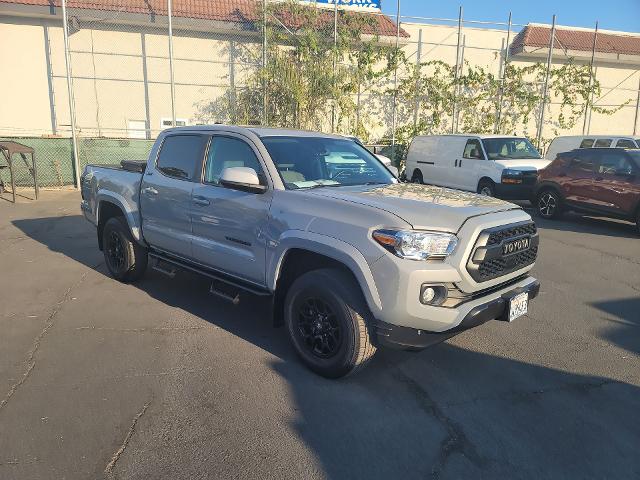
368, 4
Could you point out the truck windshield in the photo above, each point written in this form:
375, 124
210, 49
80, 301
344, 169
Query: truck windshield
509, 148
312, 162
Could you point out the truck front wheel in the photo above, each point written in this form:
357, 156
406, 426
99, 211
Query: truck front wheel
329, 323
125, 258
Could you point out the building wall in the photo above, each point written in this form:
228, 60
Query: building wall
121, 76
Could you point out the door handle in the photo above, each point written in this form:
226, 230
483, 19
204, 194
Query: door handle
460, 163
150, 191
200, 200
456, 163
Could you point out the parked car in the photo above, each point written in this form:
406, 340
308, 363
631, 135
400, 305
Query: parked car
603, 181
351, 259
384, 159
491, 165
567, 143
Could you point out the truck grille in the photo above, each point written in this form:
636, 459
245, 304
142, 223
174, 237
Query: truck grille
489, 259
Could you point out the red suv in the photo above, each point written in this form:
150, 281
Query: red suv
602, 181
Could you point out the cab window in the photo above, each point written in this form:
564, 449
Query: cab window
181, 156
473, 149
227, 152
586, 143
603, 143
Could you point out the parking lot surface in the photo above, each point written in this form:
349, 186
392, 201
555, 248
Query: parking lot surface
162, 380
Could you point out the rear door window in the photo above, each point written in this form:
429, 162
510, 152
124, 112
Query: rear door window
181, 156
582, 162
603, 142
625, 143
586, 143
473, 149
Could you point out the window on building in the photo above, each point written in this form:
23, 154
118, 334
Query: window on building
473, 149
586, 143
181, 156
625, 143
227, 152
136, 129
603, 143
165, 122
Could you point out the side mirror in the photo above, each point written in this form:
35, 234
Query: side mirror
242, 178
393, 169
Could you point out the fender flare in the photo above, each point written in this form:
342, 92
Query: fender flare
331, 247
131, 216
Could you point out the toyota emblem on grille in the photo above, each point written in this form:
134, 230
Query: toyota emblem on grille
516, 246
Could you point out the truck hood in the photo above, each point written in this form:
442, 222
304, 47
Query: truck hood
524, 163
422, 206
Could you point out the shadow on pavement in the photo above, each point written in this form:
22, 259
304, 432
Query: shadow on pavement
446, 412
573, 222
624, 318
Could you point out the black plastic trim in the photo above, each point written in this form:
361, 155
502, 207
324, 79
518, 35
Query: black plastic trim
396, 336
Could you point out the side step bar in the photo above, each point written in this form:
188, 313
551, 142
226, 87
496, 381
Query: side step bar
223, 285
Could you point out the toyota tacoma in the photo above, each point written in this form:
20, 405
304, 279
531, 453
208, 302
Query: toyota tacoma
350, 258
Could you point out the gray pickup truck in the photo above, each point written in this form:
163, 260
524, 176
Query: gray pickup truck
351, 258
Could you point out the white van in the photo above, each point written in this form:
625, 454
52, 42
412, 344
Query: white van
571, 142
492, 165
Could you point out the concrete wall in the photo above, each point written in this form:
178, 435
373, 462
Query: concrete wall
121, 76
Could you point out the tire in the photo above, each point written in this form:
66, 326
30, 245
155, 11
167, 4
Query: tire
126, 260
329, 323
487, 188
417, 177
549, 204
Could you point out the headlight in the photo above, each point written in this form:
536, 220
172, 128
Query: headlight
416, 245
510, 175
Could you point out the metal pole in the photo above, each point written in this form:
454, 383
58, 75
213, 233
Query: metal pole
545, 87
264, 62
335, 62
590, 93
635, 122
173, 85
416, 108
72, 106
454, 113
505, 60
395, 86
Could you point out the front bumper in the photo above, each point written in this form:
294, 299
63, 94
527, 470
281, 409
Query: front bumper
522, 191
494, 309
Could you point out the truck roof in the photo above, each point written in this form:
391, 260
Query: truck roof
259, 131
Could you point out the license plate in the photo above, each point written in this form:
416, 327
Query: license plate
518, 306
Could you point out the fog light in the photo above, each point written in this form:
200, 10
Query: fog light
432, 294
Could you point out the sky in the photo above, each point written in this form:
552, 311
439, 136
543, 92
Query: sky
621, 15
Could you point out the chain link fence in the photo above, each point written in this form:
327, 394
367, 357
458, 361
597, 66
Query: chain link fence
132, 69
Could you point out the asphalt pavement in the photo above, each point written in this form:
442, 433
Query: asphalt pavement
162, 380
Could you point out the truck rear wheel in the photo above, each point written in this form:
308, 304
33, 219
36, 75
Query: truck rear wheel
328, 323
417, 177
124, 257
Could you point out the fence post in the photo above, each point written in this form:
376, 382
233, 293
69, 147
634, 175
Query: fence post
173, 86
587, 107
72, 106
545, 87
454, 113
416, 108
335, 62
264, 62
635, 122
505, 60
394, 107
